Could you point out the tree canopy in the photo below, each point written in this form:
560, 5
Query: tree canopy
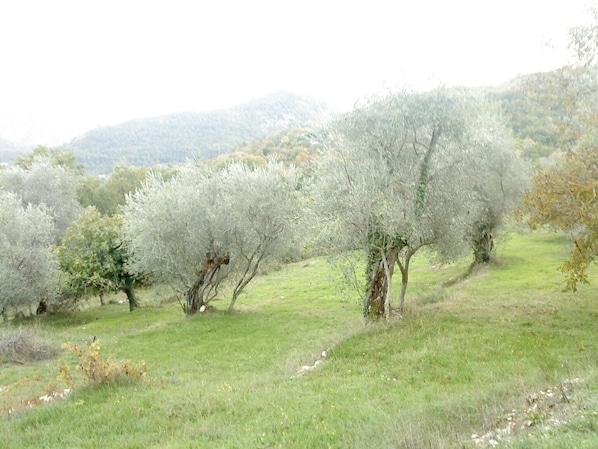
563, 196
107, 195
28, 269
498, 176
55, 156
400, 174
93, 258
203, 226
295, 146
46, 184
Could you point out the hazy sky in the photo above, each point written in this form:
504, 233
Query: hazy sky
84, 63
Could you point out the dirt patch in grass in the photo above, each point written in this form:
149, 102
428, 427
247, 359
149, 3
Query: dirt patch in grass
472, 271
545, 410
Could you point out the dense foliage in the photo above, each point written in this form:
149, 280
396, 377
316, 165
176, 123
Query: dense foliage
54, 156
28, 269
39, 202
564, 197
107, 195
93, 258
203, 226
295, 146
407, 171
46, 184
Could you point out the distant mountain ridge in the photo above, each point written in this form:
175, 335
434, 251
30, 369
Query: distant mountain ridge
259, 127
175, 138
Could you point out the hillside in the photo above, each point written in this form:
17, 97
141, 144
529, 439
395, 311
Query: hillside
531, 105
504, 359
175, 138
533, 108
292, 146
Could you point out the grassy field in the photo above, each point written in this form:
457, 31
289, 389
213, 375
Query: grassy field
505, 358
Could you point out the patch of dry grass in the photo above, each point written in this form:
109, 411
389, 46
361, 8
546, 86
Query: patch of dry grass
24, 345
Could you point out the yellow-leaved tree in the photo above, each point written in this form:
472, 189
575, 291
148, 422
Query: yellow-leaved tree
563, 196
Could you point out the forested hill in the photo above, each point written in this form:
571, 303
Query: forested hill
177, 137
534, 106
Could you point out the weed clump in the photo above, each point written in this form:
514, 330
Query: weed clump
22, 345
99, 370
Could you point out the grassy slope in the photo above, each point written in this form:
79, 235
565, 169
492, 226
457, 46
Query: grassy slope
457, 364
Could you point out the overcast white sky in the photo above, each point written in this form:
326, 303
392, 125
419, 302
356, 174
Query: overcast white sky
86, 63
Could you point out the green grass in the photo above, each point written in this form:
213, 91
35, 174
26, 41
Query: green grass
459, 362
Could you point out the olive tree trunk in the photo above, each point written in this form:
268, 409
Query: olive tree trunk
129, 289
206, 281
404, 267
483, 243
381, 265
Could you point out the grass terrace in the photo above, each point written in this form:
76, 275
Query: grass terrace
504, 358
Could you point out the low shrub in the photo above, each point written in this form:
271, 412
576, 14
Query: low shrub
23, 345
99, 370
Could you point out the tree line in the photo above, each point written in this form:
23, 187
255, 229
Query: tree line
399, 173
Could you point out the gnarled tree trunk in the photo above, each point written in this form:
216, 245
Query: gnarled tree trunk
483, 243
381, 265
129, 289
204, 282
42, 307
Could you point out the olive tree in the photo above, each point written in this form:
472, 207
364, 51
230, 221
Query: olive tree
46, 184
28, 268
204, 226
498, 176
397, 176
